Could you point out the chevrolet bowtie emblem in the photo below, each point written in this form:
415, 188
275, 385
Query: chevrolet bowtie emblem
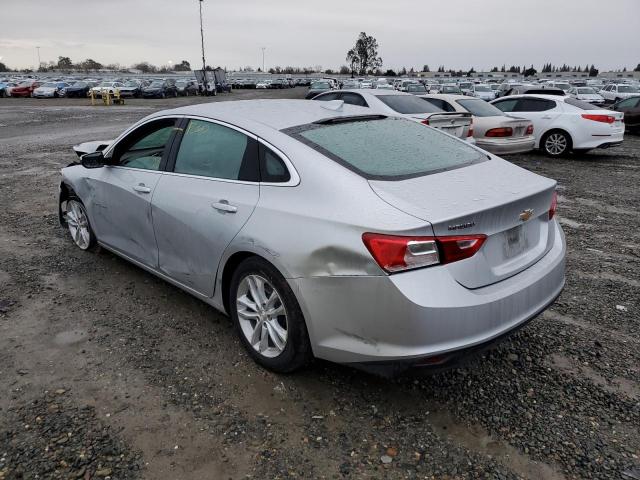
526, 214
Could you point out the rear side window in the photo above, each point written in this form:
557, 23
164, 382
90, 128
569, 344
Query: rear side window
272, 167
407, 104
506, 105
327, 97
354, 99
534, 105
388, 148
580, 104
211, 150
480, 108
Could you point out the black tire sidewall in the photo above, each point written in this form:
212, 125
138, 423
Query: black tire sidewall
297, 351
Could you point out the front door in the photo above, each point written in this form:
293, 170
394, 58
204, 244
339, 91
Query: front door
201, 205
124, 189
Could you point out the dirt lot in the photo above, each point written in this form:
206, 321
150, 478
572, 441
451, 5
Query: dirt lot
108, 372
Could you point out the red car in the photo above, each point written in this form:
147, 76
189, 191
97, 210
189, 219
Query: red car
25, 89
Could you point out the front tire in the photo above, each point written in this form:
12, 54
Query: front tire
556, 143
268, 318
78, 225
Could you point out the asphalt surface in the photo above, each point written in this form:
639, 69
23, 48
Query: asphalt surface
109, 372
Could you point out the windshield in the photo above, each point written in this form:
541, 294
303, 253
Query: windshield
465, 85
480, 108
80, 84
156, 84
563, 86
131, 84
181, 84
627, 89
416, 88
587, 91
319, 85
448, 89
105, 84
482, 88
49, 85
389, 148
407, 104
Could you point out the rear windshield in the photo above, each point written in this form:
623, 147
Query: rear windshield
587, 91
319, 85
627, 89
388, 148
407, 104
580, 104
480, 108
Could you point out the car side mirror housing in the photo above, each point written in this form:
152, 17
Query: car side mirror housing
93, 160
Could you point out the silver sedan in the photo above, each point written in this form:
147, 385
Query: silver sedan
324, 230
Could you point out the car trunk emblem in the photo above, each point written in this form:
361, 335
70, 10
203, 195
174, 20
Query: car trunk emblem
526, 214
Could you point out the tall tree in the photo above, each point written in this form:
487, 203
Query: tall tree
65, 63
4, 68
364, 55
637, 69
90, 64
183, 66
425, 68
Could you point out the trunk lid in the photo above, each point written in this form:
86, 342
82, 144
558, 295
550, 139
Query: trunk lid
495, 198
456, 124
519, 125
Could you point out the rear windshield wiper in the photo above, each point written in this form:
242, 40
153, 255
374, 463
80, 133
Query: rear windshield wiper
348, 118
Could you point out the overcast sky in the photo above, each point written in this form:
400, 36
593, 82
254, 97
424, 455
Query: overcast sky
460, 34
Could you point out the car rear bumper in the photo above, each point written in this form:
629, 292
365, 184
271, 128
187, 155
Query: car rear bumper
416, 315
505, 146
602, 140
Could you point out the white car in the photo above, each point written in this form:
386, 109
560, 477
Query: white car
111, 87
50, 90
564, 124
564, 86
263, 84
482, 91
466, 87
587, 94
366, 84
400, 104
493, 131
613, 93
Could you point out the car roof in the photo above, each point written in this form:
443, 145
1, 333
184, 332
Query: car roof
263, 116
374, 91
535, 95
449, 96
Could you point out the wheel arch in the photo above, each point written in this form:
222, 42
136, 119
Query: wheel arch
552, 130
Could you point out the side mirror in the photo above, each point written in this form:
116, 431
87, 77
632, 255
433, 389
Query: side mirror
92, 160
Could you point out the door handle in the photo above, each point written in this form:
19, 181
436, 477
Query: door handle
546, 117
141, 188
223, 206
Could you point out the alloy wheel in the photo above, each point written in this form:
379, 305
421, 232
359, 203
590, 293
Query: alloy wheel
78, 224
556, 144
262, 316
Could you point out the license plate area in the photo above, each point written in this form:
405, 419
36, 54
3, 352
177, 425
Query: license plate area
515, 241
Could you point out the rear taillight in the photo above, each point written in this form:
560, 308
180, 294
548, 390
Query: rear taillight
425, 121
470, 132
554, 205
499, 132
529, 130
397, 253
599, 118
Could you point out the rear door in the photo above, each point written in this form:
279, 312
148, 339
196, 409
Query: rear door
542, 112
202, 202
122, 191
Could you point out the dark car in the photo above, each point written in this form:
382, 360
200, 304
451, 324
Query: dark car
160, 89
278, 83
132, 88
631, 109
317, 88
79, 89
187, 88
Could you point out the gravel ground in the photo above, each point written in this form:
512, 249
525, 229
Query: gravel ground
108, 372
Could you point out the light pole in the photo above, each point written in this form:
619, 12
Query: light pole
263, 49
39, 62
204, 62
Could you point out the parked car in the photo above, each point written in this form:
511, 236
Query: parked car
263, 84
407, 251
279, 83
317, 88
630, 107
131, 88
613, 93
392, 102
482, 91
380, 86
505, 87
187, 88
450, 89
24, 88
159, 89
564, 124
50, 90
415, 88
587, 94
109, 87
79, 89
534, 90
466, 87
366, 84
6, 87
493, 131
564, 86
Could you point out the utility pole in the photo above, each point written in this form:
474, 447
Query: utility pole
204, 62
39, 62
263, 49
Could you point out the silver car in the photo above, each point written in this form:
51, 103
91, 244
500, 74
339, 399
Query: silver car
324, 230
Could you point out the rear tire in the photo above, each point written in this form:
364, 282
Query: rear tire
268, 318
556, 143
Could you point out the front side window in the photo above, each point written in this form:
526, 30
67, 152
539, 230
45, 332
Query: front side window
387, 148
627, 89
146, 146
211, 150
